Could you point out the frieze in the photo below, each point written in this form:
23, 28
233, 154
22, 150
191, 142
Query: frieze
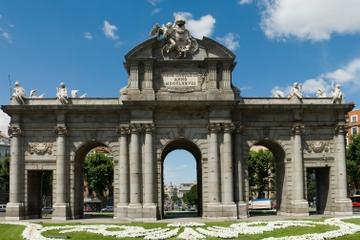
317, 147
40, 148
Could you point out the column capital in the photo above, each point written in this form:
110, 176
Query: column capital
135, 128
340, 129
14, 131
228, 127
123, 130
214, 127
298, 128
149, 127
61, 130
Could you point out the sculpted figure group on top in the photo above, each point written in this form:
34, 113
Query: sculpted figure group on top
177, 38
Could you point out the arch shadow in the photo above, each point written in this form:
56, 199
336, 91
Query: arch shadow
78, 174
279, 156
183, 144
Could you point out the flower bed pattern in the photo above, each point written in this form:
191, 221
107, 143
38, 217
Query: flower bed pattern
34, 231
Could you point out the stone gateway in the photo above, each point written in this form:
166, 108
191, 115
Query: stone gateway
179, 95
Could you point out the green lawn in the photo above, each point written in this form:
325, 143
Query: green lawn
11, 232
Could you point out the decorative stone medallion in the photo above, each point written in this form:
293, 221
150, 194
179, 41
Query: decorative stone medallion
40, 148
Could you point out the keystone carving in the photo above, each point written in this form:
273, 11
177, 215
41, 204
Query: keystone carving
317, 147
40, 148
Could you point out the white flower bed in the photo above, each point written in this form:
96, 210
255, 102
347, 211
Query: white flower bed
194, 230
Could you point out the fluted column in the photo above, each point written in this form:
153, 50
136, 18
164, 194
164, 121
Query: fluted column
341, 163
298, 170
212, 76
134, 76
148, 165
123, 172
148, 76
343, 205
227, 188
213, 163
226, 76
15, 165
61, 204
14, 209
135, 171
300, 205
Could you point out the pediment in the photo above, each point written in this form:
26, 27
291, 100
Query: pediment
208, 48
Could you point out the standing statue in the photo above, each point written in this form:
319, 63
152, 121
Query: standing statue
320, 93
337, 95
177, 38
19, 93
296, 91
61, 94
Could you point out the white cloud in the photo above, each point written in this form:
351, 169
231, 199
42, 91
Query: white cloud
5, 34
155, 11
243, 2
88, 36
204, 26
309, 19
110, 30
348, 76
154, 2
230, 40
4, 122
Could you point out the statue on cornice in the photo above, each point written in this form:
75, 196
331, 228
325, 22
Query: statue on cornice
61, 94
337, 95
296, 91
177, 38
19, 93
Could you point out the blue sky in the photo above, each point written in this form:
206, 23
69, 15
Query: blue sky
83, 43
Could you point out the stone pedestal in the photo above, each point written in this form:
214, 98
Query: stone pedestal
121, 211
61, 211
14, 211
212, 210
299, 208
149, 211
242, 210
135, 211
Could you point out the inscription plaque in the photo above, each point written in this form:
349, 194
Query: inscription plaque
180, 80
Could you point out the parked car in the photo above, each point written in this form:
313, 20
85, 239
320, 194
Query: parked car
2, 207
107, 209
87, 209
262, 204
47, 210
355, 201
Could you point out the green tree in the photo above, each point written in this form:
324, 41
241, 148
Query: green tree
353, 164
191, 197
261, 169
98, 170
4, 174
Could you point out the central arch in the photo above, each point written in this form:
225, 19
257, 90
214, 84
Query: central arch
183, 144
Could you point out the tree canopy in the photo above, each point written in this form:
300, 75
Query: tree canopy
261, 169
98, 170
191, 197
353, 164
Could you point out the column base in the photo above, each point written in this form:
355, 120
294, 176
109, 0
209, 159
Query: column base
61, 211
300, 208
135, 211
242, 210
14, 211
220, 211
121, 211
343, 207
149, 211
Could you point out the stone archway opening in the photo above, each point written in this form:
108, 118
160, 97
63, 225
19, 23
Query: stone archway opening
93, 181
174, 156
266, 173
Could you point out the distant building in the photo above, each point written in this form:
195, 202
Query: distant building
184, 188
353, 124
4, 145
